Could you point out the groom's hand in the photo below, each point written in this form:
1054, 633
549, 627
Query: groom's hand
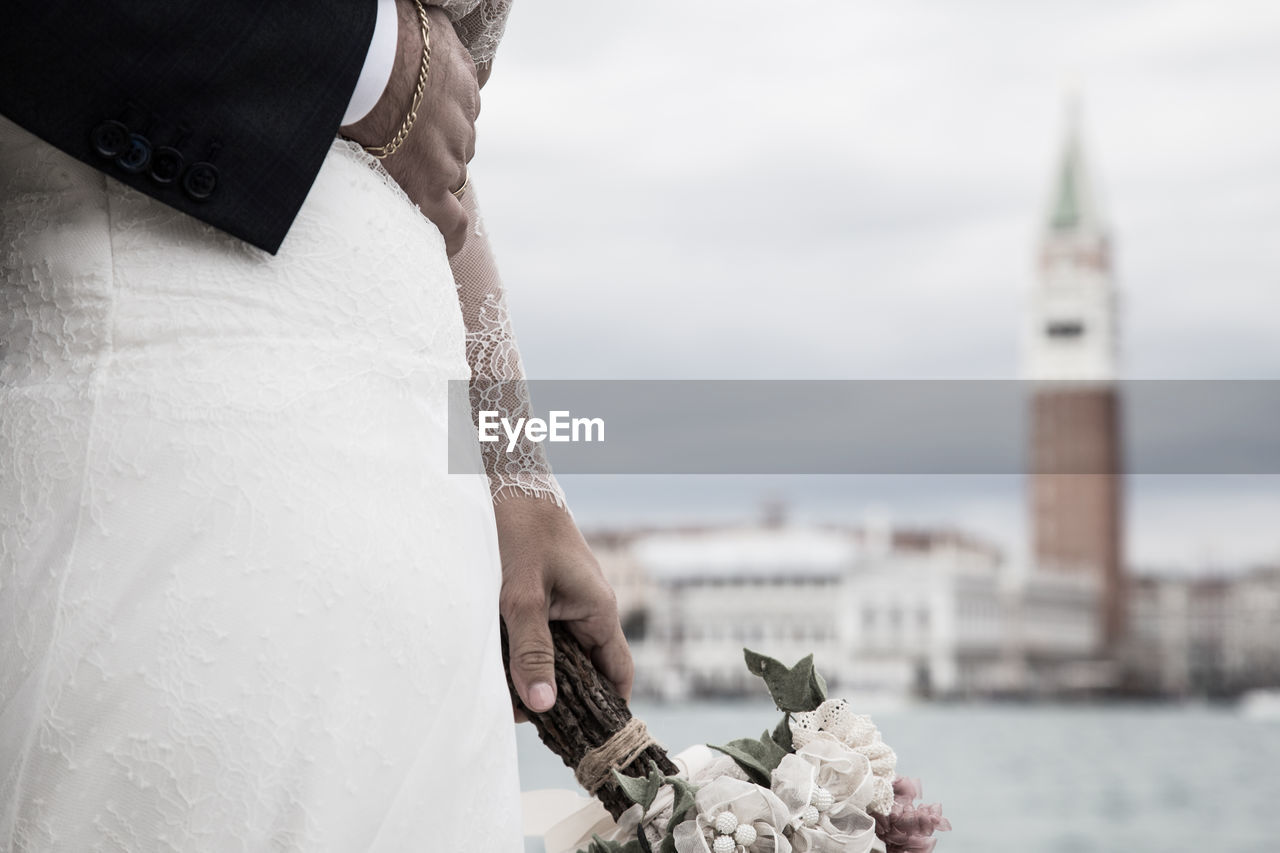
549, 574
432, 161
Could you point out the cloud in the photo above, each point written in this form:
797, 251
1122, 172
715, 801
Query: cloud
893, 158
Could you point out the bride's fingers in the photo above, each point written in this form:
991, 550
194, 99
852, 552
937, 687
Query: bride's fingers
609, 651
588, 605
613, 659
524, 609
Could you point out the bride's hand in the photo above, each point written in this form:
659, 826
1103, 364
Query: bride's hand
549, 573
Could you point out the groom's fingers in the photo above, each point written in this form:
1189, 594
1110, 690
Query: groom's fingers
451, 218
533, 672
431, 162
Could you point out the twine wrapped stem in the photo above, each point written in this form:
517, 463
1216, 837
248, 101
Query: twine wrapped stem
590, 726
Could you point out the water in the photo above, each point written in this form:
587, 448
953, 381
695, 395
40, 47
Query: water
1040, 779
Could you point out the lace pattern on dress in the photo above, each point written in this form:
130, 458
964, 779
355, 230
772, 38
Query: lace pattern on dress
497, 373
229, 589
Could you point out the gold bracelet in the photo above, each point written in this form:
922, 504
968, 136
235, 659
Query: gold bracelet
381, 151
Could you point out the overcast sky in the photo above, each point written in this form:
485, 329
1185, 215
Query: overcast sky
840, 189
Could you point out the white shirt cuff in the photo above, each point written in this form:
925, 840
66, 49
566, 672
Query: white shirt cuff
378, 64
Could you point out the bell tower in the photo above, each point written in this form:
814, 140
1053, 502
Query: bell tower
1070, 350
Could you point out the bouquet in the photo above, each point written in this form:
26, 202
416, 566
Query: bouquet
821, 781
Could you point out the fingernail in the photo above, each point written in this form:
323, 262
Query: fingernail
541, 697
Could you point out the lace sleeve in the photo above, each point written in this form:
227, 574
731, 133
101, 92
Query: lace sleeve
497, 375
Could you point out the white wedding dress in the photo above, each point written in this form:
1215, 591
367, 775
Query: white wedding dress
243, 605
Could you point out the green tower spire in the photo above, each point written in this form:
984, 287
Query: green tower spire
1073, 205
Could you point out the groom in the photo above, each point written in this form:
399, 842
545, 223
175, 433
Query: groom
225, 110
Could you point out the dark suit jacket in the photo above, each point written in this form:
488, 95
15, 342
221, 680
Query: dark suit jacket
223, 109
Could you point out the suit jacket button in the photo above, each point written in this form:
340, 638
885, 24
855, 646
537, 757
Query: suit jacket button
136, 157
200, 180
110, 138
166, 164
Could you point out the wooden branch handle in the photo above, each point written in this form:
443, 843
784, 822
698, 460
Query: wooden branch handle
587, 712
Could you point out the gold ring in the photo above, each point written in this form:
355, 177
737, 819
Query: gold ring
462, 189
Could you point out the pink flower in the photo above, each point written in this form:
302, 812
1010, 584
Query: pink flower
909, 828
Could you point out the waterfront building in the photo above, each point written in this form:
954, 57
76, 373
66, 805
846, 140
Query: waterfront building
1251, 642
883, 611
1204, 635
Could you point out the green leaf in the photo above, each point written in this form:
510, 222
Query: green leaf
794, 689
746, 760
683, 801
756, 757
641, 790
669, 844
771, 752
782, 734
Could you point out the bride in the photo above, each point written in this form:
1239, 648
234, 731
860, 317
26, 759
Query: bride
243, 603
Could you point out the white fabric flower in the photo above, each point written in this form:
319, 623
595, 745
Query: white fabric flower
826, 787
698, 765
835, 720
655, 820
750, 805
